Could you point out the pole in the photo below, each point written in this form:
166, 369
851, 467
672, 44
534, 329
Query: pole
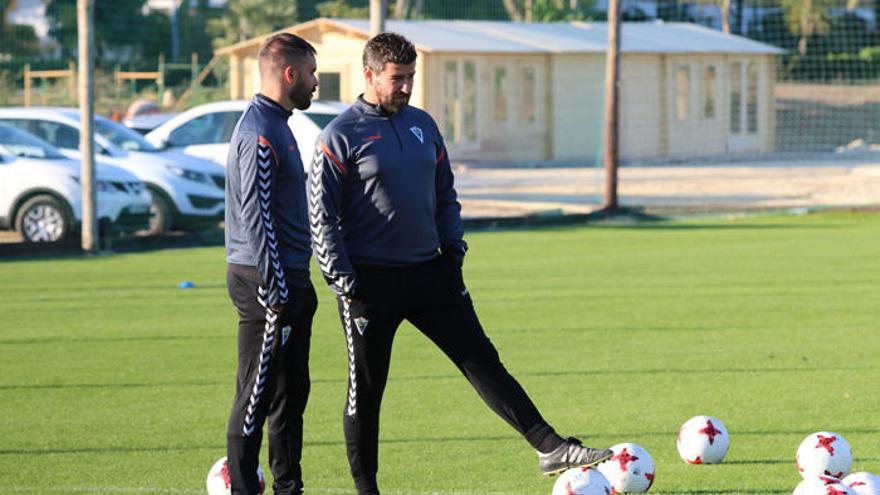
85, 16
194, 74
160, 81
612, 90
378, 14
71, 81
175, 43
27, 85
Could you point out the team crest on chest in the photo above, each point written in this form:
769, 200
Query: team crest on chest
417, 132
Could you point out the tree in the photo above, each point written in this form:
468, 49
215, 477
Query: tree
245, 19
725, 16
723, 9
518, 10
341, 9
20, 40
474, 10
122, 32
806, 18
673, 11
408, 9
6, 6
548, 10
193, 21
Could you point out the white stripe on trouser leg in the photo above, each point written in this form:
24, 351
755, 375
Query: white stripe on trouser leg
351, 410
262, 373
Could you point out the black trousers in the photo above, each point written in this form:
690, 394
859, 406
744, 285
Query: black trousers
272, 382
432, 296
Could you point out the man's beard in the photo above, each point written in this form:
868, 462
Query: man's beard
394, 103
301, 95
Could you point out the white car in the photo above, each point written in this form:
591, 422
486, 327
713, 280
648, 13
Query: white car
204, 131
40, 193
187, 192
147, 122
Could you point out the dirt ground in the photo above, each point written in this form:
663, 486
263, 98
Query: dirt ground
751, 186
694, 188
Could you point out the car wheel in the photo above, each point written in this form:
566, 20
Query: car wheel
160, 215
43, 219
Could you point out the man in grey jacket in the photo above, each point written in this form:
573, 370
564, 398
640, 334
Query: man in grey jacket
387, 234
268, 250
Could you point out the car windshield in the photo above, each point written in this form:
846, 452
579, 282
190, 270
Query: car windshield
21, 143
321, 119
122, 136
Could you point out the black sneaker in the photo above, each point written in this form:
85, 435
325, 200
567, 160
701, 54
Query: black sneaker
571, 454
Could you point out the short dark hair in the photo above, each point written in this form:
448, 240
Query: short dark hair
388, 47
282, 49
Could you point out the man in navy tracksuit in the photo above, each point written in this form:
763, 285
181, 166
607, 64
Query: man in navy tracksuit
387, 235
268, 250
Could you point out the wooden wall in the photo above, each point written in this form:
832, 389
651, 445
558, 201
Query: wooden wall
562, 119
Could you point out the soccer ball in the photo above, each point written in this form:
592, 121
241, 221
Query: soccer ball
582, 481
863, 483
703, 440
824, 452
218, 479
630, 470
822, 485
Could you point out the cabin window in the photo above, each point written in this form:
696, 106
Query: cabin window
735, 98
329, 86
752, 98
682, 92
499, 93
451, 103
709, 84
470, 101
460, 103
530, 98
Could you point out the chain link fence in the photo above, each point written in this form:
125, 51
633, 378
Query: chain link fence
796, 87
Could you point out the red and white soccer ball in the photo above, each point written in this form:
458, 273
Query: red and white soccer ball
822, 485
863, 483
703, 440
218, 479
582, 481
630, 470
824, 452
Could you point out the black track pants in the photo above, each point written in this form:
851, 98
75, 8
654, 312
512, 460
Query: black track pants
272, 382
433, 297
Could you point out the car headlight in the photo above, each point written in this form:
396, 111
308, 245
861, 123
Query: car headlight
188, 174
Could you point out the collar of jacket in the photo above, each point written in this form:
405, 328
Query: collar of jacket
267, 103
371, 109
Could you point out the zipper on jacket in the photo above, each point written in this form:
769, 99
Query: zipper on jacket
394, 127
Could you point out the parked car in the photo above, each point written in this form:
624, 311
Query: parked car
40, 195
147, 122
204, 131
188, 193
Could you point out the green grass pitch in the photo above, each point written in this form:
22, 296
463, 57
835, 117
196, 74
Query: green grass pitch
114, 381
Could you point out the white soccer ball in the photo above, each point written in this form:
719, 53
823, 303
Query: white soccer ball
863, 483
582, 481
824, 452
630, 470
218, 479
703, 440
822, 485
